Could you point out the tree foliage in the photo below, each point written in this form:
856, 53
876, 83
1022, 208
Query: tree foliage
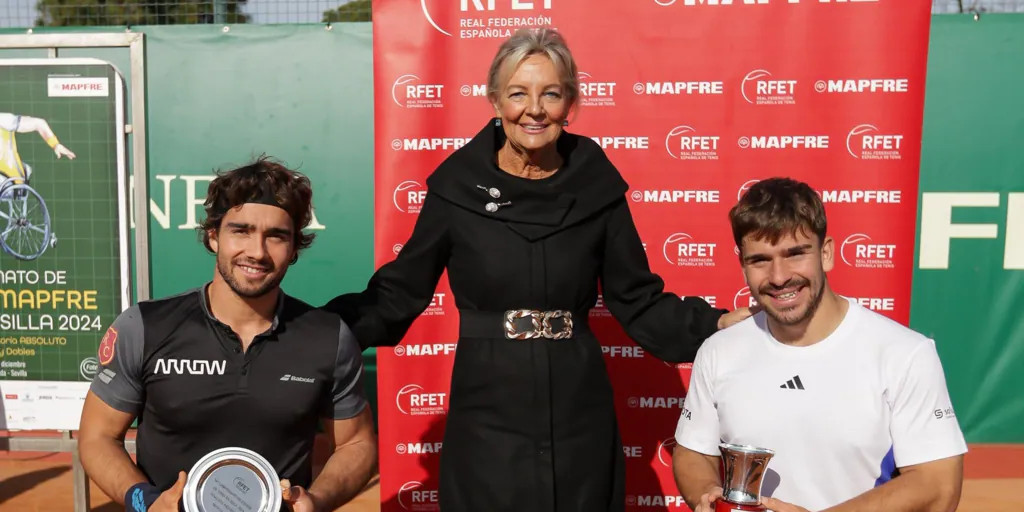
66, 13
356, 10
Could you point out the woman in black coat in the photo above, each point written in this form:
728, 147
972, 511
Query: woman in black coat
529, 218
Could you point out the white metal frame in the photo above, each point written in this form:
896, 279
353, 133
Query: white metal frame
135, 42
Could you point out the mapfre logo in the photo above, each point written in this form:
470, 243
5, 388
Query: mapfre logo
866, 142
675, 196
744, 188
863, 85
685, 143
436, 306
426, 349
750, 2
655, 402
595, 93
625, 351
429, 144
413, 496
410, 92
860, 251
475, 90
623, 142
664, 450
417, 448
861, 196
408, 197
679, 88
878, 304
760, 87
656, 500
413, 401
485, 19
783, 142
743, 299
683, 250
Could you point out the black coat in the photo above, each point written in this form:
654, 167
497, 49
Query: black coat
531, 424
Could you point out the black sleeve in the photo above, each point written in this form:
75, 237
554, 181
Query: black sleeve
401, 289
670, 328
348, 396
119, 379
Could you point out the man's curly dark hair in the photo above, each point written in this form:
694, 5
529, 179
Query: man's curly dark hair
264, 177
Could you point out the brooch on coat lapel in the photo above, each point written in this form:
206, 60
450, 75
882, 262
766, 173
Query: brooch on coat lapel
494, 193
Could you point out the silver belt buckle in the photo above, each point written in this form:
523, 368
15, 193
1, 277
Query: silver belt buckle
541, 321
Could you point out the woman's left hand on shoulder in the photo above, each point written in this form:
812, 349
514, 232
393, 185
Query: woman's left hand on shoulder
736, 316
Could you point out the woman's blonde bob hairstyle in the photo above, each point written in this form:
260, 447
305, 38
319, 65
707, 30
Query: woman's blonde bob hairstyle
525, 43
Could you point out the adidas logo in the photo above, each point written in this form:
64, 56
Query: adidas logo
793, 383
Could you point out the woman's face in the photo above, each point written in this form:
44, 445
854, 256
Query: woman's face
533, 105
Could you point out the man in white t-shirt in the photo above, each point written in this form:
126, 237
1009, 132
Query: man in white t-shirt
847, 398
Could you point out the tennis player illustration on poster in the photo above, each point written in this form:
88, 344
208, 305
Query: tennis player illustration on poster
24, 220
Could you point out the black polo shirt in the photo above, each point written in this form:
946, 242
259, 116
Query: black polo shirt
184, 375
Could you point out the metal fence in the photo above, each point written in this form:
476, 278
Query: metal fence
80, 13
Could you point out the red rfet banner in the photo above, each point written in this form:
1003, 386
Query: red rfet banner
694, 101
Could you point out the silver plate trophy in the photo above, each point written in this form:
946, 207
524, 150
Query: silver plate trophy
744, 468
232, 480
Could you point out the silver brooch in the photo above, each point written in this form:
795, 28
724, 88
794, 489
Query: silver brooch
493, 207
493, 192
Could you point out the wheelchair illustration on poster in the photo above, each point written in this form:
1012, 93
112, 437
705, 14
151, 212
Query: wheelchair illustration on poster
25, 228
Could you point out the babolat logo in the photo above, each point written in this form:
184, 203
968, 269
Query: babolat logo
292, 378
189, 367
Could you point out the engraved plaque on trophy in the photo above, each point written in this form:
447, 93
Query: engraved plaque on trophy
232, 480
743, 470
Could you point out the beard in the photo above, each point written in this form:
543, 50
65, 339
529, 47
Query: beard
793, 315
244, 289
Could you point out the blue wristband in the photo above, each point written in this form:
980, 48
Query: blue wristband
140, 497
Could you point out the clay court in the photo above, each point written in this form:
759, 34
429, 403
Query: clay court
41, 482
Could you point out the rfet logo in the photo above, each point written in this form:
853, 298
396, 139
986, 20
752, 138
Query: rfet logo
685, 143
415, 497
744, 188
760, 87
480, 19
860, 251
436, 307
595, 93
410, 92
665, 447
408, 197
413, 401
743, 299
683, 250
866, 142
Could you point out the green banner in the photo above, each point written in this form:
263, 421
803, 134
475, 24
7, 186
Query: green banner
63, 264
969, 275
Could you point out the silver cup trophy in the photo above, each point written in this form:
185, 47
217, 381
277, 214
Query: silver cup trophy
743, 470
232, 480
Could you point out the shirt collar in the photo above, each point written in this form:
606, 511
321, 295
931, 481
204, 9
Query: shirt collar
205, 303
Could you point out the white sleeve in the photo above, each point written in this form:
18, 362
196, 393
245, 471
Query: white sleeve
697, 428
9, 122
924, 426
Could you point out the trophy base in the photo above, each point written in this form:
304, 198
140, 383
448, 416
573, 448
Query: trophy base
725, 506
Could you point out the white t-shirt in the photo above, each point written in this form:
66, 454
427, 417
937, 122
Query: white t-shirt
841, 414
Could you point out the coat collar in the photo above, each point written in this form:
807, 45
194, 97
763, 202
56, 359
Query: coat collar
586, 183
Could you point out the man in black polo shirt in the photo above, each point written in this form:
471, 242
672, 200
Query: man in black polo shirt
236, 362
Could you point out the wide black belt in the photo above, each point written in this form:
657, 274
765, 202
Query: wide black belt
522, 324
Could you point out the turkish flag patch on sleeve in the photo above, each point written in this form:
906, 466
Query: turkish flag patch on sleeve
106, 352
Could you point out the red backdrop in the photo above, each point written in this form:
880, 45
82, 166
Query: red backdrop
694, 100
